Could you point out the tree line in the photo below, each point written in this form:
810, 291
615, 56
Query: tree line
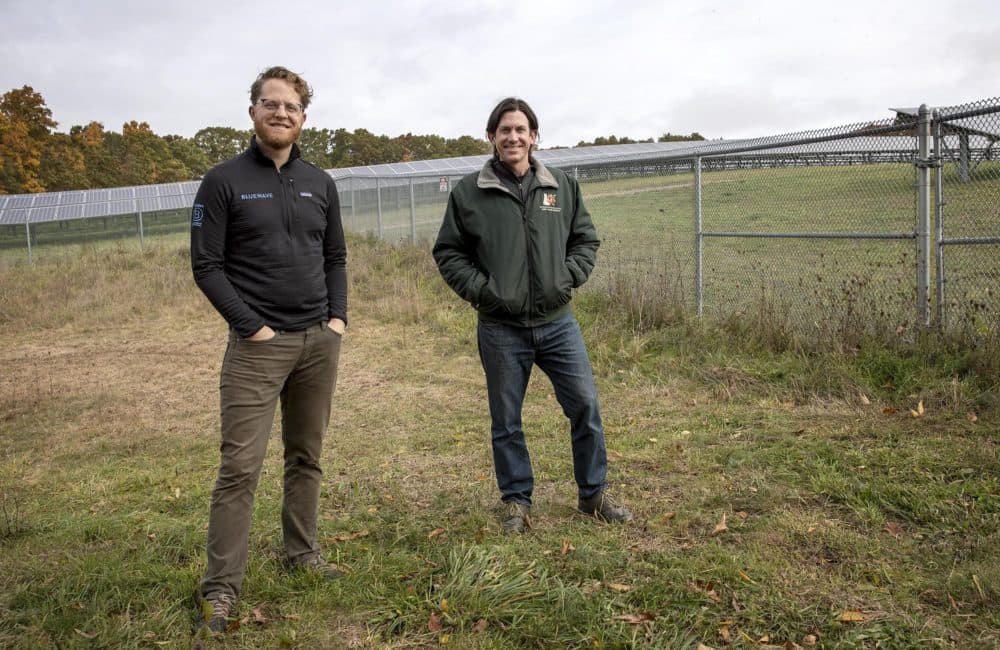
36, 158
666, 137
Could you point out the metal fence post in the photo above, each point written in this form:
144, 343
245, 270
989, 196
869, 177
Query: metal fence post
938, 221
27, 231
354, 222
923, 215
698, 239
378, 196
413, 215
141, 234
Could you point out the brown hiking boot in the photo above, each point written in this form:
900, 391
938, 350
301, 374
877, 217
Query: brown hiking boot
602, 506
215, 611
316, 564
515, 517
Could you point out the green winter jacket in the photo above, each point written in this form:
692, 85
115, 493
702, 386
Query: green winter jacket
516, 263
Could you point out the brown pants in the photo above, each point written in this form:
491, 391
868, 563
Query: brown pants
300, 369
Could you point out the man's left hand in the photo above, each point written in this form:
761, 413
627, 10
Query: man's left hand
337, 325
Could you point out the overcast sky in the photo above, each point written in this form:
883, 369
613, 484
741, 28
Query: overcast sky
632, 68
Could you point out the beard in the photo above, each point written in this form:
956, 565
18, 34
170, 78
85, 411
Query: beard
277, 138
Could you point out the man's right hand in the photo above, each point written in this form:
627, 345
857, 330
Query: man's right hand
263, 334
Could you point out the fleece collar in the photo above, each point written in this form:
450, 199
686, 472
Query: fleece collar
488, 178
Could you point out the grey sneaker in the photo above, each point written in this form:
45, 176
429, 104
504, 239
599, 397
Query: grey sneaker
604, 507
215, 612
515, 517
316, 564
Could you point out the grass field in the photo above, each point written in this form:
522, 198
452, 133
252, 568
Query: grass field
786, 496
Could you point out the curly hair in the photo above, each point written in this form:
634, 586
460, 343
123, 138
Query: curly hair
278, 72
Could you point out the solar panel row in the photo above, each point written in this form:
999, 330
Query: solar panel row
79, 204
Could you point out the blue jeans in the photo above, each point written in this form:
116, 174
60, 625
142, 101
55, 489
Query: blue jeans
507, 354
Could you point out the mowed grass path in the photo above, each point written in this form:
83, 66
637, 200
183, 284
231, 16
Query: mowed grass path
769, 513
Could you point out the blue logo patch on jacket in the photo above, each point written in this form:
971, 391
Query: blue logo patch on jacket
197, 215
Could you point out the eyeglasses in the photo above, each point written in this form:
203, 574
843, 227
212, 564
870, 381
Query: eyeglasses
272, 106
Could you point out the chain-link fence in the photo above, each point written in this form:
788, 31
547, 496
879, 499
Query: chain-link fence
395, 209
829, 233
967, 182
890, 225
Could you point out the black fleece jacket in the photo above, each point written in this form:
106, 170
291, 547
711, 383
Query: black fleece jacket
267, 246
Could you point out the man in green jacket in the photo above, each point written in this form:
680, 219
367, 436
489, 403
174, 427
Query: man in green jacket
515, 241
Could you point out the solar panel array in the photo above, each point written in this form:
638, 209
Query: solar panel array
857, 139
83, 204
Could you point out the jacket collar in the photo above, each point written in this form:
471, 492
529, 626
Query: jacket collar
488, 178
258, 154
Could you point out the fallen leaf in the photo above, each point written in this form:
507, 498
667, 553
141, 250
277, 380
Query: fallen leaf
791, 645
479, 626
152, 537
894, 529
434, 625
852, 616
258, 617
444, 605
434, 533
445, 638
614, 453
702, 646
745, 576
743, 515
724, 634
720, 527
635, 619
567, 548
890, 410
708, 590
616, 586
177, 493
864, 399
373, 509
919, 411
654, 440
972, 417
85, 635
809, 639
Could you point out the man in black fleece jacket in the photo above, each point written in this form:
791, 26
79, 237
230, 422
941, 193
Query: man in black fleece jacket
268, 251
